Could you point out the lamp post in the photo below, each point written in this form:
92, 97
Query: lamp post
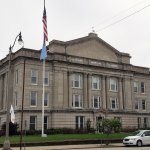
6, 145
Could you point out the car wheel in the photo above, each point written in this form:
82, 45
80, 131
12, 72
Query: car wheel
139, 143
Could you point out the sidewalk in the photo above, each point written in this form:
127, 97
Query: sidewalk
68, 147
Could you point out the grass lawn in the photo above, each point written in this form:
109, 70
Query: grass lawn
62, 137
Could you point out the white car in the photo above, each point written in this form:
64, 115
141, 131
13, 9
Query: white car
139, 138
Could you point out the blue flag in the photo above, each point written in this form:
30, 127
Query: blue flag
43, 52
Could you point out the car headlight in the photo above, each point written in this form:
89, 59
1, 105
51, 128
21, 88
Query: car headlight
132, 138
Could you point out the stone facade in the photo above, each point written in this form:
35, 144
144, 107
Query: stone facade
85, 78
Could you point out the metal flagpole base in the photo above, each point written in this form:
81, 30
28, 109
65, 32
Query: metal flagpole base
44, 135
6, 145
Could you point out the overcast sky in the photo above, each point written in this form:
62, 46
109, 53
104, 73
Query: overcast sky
71, 19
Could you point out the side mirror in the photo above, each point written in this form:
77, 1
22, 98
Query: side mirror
142, 135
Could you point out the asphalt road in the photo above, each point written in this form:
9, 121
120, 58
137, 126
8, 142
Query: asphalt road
83, 147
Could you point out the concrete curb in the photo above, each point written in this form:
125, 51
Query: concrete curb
102, 142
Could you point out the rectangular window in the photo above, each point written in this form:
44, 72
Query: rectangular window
80, 121
135, 86
142, 87
34, 76
33, 98
33, 121
46, 97
16, 77
136, 104
76, 81
45, 122
16, 98
96, 102
95, 83
114, 103
143, 104
46, 79
77, 101
113, 84
145, 122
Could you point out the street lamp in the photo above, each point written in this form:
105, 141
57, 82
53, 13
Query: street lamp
6, 145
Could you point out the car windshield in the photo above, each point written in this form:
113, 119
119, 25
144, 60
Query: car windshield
137, 133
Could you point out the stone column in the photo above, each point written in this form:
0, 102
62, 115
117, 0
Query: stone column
127, 94
103, 88
65, 89
70, 89
107, 92
85, 101
55, 89
120, 94
89, 90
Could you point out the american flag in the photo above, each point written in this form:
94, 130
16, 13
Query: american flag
45, 25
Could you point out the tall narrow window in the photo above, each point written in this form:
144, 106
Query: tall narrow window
76, 80
113, 84
45, 122
143, 104
136, 104
96, 102
16, 77
95, 83
114, 103
46, 79
80, 121
77, 101
16, 98
142, 87
33, 98
34, 76
46, 97
145, 122
135, 86
33, 122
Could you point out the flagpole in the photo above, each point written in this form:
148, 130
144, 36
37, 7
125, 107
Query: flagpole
43, 56
43, 135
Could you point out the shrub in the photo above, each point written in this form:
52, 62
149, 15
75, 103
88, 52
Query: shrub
13, 127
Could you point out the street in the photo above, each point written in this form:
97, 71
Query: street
84, 147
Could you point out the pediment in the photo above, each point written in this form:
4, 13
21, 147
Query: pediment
91, 47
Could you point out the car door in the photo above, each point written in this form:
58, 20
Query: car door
146, 137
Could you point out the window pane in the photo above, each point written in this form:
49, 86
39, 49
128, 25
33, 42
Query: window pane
34, 76
32, 122
114, 103
46, 99
46, 79
113, 84
45, 122
135, 86
143, 104
96, 101
136, 104
142, 87
77, 101
77, 79
33, 98
95, 82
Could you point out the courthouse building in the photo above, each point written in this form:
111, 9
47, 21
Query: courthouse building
85, 79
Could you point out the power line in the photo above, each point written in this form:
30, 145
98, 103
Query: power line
123, 18
110, 18
118, 14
